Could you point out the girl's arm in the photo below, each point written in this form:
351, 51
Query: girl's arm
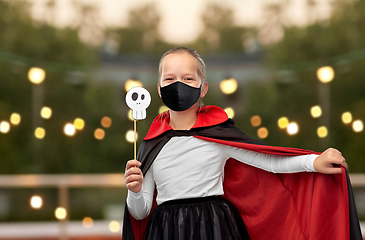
139, 203
272, 163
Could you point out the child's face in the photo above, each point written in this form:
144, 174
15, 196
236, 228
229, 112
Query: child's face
179, 67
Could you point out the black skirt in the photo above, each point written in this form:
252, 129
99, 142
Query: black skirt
210, 218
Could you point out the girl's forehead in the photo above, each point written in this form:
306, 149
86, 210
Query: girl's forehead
178, 60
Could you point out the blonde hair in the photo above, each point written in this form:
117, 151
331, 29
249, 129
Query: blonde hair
200, 65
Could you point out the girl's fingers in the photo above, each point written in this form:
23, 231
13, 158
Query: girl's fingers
132, 163
134, 177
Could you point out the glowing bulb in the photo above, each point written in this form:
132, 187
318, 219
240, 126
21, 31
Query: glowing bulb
60, 213
87, 222
162, 109
325, 74
39, 133
346, 117
256, 121
46, 112
129, 136
36, 202
292, 128
79, 123
322, 132
106, 122
130, 83
283, 122
230, 112
4, 127
358, 126
114, 226
262, 132
228, 86
36, 75
69, 129
99, 134
316, 111
15, 119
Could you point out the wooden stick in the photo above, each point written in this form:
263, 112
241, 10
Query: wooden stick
135, 138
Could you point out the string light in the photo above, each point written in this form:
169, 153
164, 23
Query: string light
99, 134
292, 128
230, 112
79, 123
4, 127
358, 126
60, 213
36, 202
69, 129
256, 121
325, 74
346, 117
322, 132
87, 222
15, 119
36, 75
316, 111
40, 133
283, 122
106, 122
228, 86
129, 136
130, 83
46, 112
114, 226
262, 132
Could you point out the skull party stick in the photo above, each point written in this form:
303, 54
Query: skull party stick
138, 99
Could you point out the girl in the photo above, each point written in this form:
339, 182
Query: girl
187, 168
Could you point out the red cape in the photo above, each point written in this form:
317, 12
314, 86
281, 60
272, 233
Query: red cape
272, 206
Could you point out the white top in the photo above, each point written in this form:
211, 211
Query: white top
188, 167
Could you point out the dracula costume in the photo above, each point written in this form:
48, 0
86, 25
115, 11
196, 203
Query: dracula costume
265, 205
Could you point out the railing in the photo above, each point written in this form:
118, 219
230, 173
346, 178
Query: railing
65, 181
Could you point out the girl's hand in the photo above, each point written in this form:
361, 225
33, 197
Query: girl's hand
133, 176
328, 162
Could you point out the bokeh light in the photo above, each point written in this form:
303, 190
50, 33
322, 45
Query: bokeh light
60, 213
346, 117
129, 136
36, 202
322, 132
87, 222
40, 133
36, 75
283, 122
4, 127
15, 119
106, 122
228, 86
256, 121
79, 123
230, 112
69, 129
262, 132
130, 83
46, 112
325, 74
99, 134
292, 128
358, 126
316, 111
114, 226
162, 109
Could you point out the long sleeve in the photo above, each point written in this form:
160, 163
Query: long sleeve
272, 163
139, 204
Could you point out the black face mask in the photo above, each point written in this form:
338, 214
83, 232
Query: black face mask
179, 96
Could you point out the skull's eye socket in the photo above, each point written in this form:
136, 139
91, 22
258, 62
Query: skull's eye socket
142, 97
134, 96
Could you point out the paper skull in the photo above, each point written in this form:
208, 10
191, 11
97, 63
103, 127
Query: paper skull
138, 99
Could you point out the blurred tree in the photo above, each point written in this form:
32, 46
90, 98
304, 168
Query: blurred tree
339, 42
